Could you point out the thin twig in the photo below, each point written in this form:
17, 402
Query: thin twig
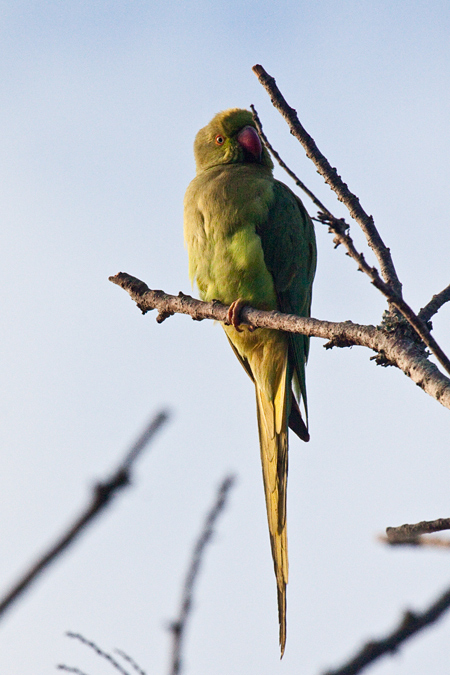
131, 661
332, 179
392, 348
70, 669
435, 304
407, 532
104, 655
410, 624
337, 226
102, 495
178, 627
391, 286
283, 164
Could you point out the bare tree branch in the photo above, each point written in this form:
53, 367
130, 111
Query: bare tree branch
336, 226
332, 178
392, 348
70, 669
178, 627
391, 287
411, 624
340, 228
406, 533
131, 661
102, 495
104, 655
435, 304
284, 166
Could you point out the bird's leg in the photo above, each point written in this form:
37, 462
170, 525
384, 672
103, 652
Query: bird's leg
233, 315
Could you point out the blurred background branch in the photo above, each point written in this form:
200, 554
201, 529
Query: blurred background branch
179, 626
410, 624
101, 496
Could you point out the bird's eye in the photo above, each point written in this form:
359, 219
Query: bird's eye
219, 140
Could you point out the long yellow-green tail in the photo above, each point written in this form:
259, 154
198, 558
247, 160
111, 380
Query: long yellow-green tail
273, 437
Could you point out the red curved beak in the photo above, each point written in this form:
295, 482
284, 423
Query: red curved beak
248, 138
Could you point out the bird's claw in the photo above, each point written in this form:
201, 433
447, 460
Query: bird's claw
233, 315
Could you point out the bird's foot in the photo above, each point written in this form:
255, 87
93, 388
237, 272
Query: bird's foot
233, 315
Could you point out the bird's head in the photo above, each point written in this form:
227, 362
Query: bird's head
230, 138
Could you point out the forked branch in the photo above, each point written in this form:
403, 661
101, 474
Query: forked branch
332, 178
391, 287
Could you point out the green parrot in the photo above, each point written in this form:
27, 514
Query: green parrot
251, 242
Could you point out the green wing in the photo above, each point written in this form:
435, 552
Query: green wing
289, 246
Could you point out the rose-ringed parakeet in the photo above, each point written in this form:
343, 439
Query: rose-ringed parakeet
250, 241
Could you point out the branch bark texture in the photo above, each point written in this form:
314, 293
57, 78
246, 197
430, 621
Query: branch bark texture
392, 348
406, 533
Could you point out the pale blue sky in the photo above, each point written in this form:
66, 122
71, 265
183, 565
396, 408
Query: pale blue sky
100, 105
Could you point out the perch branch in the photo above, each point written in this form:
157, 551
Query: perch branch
102, 495
392, 348
411, 624
391, 286
178, 627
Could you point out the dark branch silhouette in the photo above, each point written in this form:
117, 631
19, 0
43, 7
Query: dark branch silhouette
131, 661
178, 627
100, 652
411, 623
102, 495
71, 669
422, 541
